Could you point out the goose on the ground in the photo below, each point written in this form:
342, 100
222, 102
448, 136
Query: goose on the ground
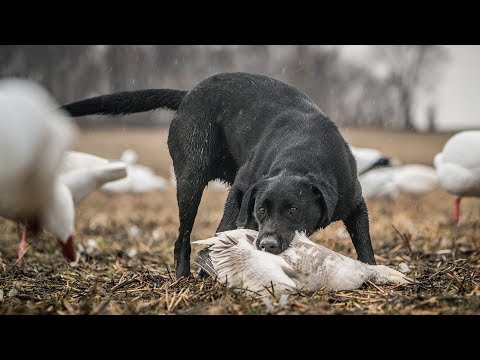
34, 134
416, 179
233, 257
379, 183
80, 175
458, 167
368, 159
140, 179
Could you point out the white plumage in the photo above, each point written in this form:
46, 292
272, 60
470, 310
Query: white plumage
80, 174
458, 166
378, 182
415, 179
233, 258
34, 134
139, 179
84, 173
366, 158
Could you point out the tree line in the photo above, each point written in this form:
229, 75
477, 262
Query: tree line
350, 93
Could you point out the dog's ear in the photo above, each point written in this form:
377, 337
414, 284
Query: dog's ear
327, 194
246, 207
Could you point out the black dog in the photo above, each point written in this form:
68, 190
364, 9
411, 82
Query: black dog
289, 167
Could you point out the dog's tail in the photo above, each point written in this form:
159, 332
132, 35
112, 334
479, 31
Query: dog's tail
127, 102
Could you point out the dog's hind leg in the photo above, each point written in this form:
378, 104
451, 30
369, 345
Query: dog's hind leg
191, 142
190, 187
358, 227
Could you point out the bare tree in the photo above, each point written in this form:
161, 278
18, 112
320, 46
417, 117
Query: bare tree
350, 93
410, 67
431, 119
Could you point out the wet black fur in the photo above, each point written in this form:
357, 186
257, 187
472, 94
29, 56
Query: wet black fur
265, 138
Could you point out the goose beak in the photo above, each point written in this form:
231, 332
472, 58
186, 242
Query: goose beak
68, 249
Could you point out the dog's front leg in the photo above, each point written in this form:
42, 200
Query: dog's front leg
231, 210
358, 227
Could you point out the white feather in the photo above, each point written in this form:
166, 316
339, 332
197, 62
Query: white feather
80, 175
390, 181
305, 265
139, 179
416, 178
365, 157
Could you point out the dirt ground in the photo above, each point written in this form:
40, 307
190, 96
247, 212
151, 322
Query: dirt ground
130, 271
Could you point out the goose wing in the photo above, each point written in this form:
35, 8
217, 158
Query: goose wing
237, 262
314, 266
75, 160
82, 182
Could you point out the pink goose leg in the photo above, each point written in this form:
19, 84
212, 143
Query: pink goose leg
456, 210
23, 244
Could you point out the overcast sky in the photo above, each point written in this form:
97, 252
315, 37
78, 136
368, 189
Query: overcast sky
457, 96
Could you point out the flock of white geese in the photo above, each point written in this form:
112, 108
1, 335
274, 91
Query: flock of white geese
42, 179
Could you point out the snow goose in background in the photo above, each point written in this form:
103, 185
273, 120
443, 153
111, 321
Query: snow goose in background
233, 258
415, 179
378, 182
139, 179
458, 166
367, 159
34, 134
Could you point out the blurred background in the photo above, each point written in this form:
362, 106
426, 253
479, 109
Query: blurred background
423, 88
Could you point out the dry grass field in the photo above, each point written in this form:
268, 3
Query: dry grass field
131, 269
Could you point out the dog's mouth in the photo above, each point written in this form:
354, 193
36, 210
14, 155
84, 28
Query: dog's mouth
272, 244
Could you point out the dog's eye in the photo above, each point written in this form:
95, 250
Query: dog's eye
292, 210
261, 211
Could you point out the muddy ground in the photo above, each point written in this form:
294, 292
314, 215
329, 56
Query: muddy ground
130, 269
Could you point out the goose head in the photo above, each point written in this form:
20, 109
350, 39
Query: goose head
59, 219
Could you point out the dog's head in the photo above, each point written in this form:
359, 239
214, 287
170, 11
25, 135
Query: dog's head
283, 204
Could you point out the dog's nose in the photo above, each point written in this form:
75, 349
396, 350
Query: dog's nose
270, 245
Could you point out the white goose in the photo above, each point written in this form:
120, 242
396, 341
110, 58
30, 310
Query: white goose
233, 258
80, 174
379, 182
139, 179
458, 166
34, 134
415, 179
367, 159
